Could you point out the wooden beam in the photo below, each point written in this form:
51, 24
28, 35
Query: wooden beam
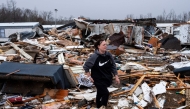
155, 100
136, 85
181, 80
21, 51
179, 88
140, 107
12, 73
119, 93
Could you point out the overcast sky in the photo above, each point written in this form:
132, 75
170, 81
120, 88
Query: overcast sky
105, 9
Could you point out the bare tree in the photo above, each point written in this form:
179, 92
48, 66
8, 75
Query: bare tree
3, 12
18, 15
179, 17
44, 15
49, 16
10, 13
149, 15
141, 16
27, 13
13, 6
184, 17
163, 15
71, 17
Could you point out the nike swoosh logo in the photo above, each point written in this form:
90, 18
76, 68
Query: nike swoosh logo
101, 64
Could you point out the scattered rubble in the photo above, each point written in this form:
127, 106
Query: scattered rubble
44, 71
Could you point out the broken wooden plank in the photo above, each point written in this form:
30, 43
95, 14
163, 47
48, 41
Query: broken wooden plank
178, 88
12, 73
155, 100
187, 93
181, 80
136, 85
148, 75
33, 98
140, 107
181, 100
21, 51
119, 93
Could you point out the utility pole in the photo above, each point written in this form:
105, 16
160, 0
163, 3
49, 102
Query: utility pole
55, 16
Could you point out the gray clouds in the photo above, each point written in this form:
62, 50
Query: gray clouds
105, 9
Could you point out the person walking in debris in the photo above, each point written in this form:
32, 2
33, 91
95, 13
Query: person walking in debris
103, 68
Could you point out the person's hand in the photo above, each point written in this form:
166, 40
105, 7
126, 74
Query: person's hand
89, 76
117, 80
91, 79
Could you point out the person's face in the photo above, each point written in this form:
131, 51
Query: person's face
103, 46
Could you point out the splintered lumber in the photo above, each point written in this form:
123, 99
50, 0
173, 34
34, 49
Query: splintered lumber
181, 101
154, 64
140, 107
147, 64
181, 81
178, 88
149, 75
185, 79
160, 76
132, 75
136, 85
119, 93
21, 51
155, 100
155, 50
36, 97
133, 71
12, 73
187, 93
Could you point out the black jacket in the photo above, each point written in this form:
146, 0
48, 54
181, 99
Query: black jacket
102, 67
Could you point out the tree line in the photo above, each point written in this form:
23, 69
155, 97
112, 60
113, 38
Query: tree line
10, 13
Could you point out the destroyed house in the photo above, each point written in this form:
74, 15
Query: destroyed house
149, 24
182, 32
165, 27
47, 71
6, 29
115, 30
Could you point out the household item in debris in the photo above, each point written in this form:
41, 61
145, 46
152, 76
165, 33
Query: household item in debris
47, 97
184, 71
15, 99
61, 94
181, 92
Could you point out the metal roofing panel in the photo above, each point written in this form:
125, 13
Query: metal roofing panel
13, 24
51, 26
164, 24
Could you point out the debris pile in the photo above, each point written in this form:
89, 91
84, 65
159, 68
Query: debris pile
45, 70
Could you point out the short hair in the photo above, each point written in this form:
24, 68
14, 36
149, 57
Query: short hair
96, 44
